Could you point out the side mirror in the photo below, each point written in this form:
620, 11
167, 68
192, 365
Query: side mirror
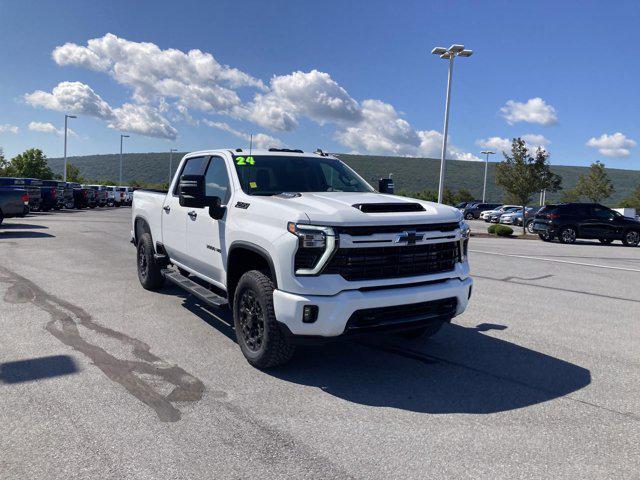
385, 185
216, 210
192, 192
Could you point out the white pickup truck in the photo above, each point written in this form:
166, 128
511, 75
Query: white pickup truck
301, 248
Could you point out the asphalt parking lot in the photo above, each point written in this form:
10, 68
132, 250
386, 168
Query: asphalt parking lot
102, 379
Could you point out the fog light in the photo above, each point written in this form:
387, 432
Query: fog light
309, 313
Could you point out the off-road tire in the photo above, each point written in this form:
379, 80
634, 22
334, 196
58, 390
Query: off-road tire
275, 348
149, 272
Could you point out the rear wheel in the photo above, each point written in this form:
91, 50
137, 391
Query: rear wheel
568, 235
426, 332
149, 272
545, 237
259, 335
631, 238
469, 216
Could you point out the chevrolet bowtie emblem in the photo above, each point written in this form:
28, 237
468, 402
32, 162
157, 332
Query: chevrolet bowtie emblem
410, 238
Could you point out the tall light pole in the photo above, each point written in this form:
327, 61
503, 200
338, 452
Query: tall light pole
66, 118
448, 54
171, 163
122, 135
486, 166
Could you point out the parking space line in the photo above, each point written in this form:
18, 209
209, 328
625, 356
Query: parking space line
542, 259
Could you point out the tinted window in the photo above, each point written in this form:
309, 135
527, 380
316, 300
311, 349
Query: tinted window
216, 180
602, 213
192, 166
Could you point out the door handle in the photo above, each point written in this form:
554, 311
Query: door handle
167, 208
192, 214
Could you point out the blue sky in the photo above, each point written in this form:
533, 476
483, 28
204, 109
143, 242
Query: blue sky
346, 76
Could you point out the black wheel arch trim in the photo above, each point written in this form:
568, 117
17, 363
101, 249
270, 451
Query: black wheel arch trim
258, 250
145, 225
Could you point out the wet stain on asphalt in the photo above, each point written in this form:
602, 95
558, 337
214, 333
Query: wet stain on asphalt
143, 378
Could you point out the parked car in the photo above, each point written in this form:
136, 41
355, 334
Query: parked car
101, 194
128, 195
32, 186
515, 218
570, 221
473, 211
463, 205
494, 217
13, 203
277, 236
115, 197
92, 196
486, 214
80, 196
49, 194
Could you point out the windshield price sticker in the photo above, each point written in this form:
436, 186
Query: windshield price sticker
245, 161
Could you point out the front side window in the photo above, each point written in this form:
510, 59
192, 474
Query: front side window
602, 213
272, 174
217, 181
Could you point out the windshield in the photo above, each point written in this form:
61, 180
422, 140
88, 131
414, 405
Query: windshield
270, 175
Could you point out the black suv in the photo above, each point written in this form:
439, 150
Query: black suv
473, 210
569, 221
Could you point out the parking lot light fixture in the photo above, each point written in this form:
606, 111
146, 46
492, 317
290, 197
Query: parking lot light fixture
450, 53
66, 118
120, 176
486, 165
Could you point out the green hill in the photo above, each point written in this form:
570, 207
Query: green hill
411, 174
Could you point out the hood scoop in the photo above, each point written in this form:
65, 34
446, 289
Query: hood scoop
389, 207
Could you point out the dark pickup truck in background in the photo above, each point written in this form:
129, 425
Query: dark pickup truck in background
31, 185
13, 203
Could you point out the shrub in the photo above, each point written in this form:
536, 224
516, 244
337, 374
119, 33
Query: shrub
504, 231
500, 230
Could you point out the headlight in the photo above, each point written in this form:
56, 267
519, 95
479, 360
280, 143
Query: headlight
316, 244
465, 233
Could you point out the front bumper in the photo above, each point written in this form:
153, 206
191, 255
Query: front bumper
334, 311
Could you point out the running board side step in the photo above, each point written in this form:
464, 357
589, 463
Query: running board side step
195, 289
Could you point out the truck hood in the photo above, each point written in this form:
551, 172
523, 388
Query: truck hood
336, 208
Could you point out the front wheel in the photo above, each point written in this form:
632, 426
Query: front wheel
469, 216
545, 237
530, 227
631, 238
149, 272
259, 335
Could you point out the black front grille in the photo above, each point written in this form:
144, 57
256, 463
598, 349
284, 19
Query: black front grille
393, 262
401, 316
357, 231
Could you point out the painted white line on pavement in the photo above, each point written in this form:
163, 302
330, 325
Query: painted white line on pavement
557, 261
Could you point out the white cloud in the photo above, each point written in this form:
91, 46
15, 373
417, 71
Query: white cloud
80, 99
497, 144
260, 140
535, 110
194, 78
616, 145
9, 129
49, 128
143, 120
536, 140
313, 94
72, 97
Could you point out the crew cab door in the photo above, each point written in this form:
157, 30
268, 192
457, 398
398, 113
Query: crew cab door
205, 235
602, 222
175, 216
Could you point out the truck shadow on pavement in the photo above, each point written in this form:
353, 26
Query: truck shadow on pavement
160, 385
34, 369
460, 370
23, 234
